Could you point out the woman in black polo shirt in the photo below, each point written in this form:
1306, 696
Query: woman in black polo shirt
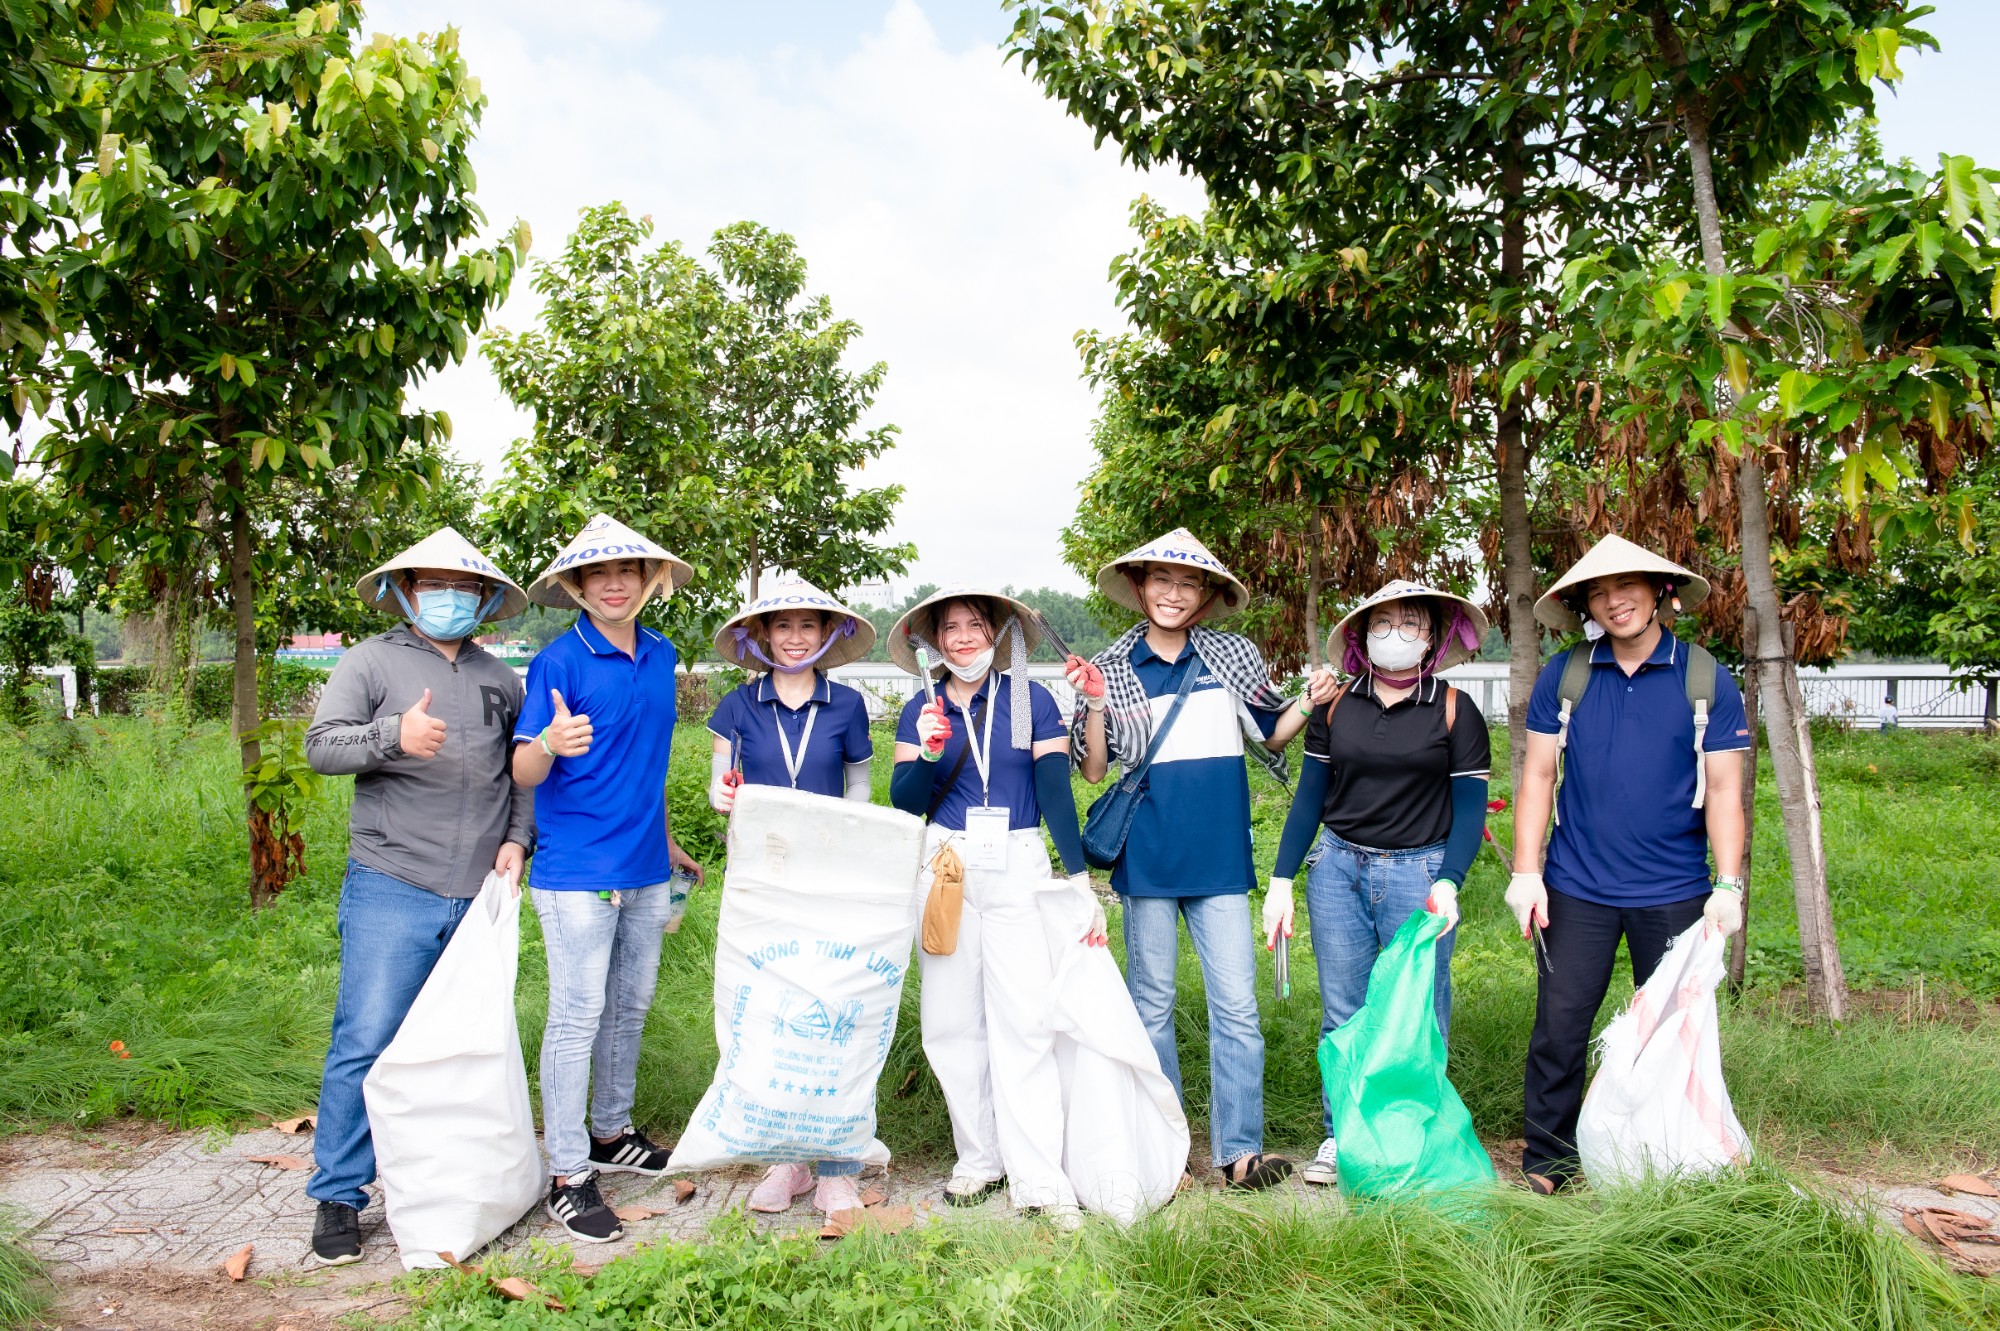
1394, 785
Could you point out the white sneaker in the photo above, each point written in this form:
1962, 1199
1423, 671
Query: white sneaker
1324, 1167
971, 1190
1064, 1219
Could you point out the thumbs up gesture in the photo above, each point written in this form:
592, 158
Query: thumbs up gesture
423, 734
568, 734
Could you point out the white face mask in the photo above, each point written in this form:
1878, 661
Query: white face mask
975, 670
1391, 651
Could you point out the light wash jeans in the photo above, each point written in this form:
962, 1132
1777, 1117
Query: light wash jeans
604, 960
1356, 900
1220, 929
391, 934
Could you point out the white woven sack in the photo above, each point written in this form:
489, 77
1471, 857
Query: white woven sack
1657, 1105
448, 1099
819, 913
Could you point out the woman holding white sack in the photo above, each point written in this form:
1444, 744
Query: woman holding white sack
1053, 1087
793, 726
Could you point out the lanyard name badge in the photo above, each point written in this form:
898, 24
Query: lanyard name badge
986, 826
793, 766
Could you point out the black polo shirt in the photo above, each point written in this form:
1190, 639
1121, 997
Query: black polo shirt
1390, 788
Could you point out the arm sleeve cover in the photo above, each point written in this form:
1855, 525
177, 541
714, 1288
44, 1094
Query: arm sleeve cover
911, 784
1302, 823
858, 784
1058, 802
1468, 827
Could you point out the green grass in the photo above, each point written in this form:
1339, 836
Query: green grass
1756, 1250
123, 917
23, 1289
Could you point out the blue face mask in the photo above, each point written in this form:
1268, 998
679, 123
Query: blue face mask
446, 615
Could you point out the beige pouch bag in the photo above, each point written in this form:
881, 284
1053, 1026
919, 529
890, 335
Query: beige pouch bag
946, 901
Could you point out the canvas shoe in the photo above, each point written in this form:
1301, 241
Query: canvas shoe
632, 1153
780, 1186
337, 1234
1324, 1167
579, 1208
966, 1190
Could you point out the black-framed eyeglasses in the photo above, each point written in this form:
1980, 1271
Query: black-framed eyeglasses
470, 588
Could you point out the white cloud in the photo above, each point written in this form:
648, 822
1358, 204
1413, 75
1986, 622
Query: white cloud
941, 200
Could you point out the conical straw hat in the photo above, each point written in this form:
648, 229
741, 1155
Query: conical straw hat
443, 548
919, 617
797, 594
603, 538
1177, 547
1615, 554
1455, 652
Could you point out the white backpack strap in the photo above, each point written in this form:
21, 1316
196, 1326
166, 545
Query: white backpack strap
1700, 757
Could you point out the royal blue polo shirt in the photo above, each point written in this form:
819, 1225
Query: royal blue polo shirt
749, 719
1191, 834
1627, 833
601, 817
1012, 778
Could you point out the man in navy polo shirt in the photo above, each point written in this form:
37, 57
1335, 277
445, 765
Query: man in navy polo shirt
595, 736
1635, 820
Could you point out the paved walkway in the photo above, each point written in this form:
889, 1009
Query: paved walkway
136, 1223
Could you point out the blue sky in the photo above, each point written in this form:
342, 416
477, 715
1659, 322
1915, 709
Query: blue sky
940, 199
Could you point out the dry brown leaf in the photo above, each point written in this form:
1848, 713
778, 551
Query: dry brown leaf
453, 1262
519, 1290
238, 1264
637, 1212
882, 1219
683, 1189
295, 1126
874, 1197
281, 1161
1948, 1228
1971, 1184
584, 1270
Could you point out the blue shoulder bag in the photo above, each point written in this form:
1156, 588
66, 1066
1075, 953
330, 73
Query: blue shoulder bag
1109, 821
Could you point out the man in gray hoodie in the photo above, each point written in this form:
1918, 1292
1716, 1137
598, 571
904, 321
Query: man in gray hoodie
422, 717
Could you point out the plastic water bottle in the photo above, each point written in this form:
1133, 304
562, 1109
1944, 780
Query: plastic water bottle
679, 885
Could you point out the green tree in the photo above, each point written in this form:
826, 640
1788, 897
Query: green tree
709, 409
270, 246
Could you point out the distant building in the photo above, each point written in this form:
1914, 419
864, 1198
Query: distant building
878, 594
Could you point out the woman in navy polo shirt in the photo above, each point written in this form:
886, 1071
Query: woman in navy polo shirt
792, 726
1392, 796
1025, 1008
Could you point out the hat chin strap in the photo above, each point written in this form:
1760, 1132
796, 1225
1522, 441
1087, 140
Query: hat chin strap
660, 580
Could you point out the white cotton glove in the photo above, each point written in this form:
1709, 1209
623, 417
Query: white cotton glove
1724, 910
1098, 934
1444, 901
1528, 898
933, 729
1277, 911
722, 783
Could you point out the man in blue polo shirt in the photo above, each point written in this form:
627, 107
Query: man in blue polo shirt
1187, 855
595, 736
1650, 784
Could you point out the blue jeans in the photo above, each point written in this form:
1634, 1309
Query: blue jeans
391, 934
604, 960
1220, 929
1356, 900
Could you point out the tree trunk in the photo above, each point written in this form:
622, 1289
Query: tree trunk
243, 608
1778, 679
1739, 945
1517, 556
753, 567
1314, 658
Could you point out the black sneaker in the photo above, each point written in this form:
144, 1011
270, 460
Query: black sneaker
337, 1234
630, 1154
579, 1208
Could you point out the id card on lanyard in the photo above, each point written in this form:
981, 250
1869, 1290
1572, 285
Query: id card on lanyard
986, 825
794, 765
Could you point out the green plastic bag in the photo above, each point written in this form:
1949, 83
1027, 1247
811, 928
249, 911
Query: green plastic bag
1401, 1127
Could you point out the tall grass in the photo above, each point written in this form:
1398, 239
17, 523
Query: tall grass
124, 917
1756, 1250
23, 1290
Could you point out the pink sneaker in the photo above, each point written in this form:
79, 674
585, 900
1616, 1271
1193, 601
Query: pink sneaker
837, 1193
779, 1187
